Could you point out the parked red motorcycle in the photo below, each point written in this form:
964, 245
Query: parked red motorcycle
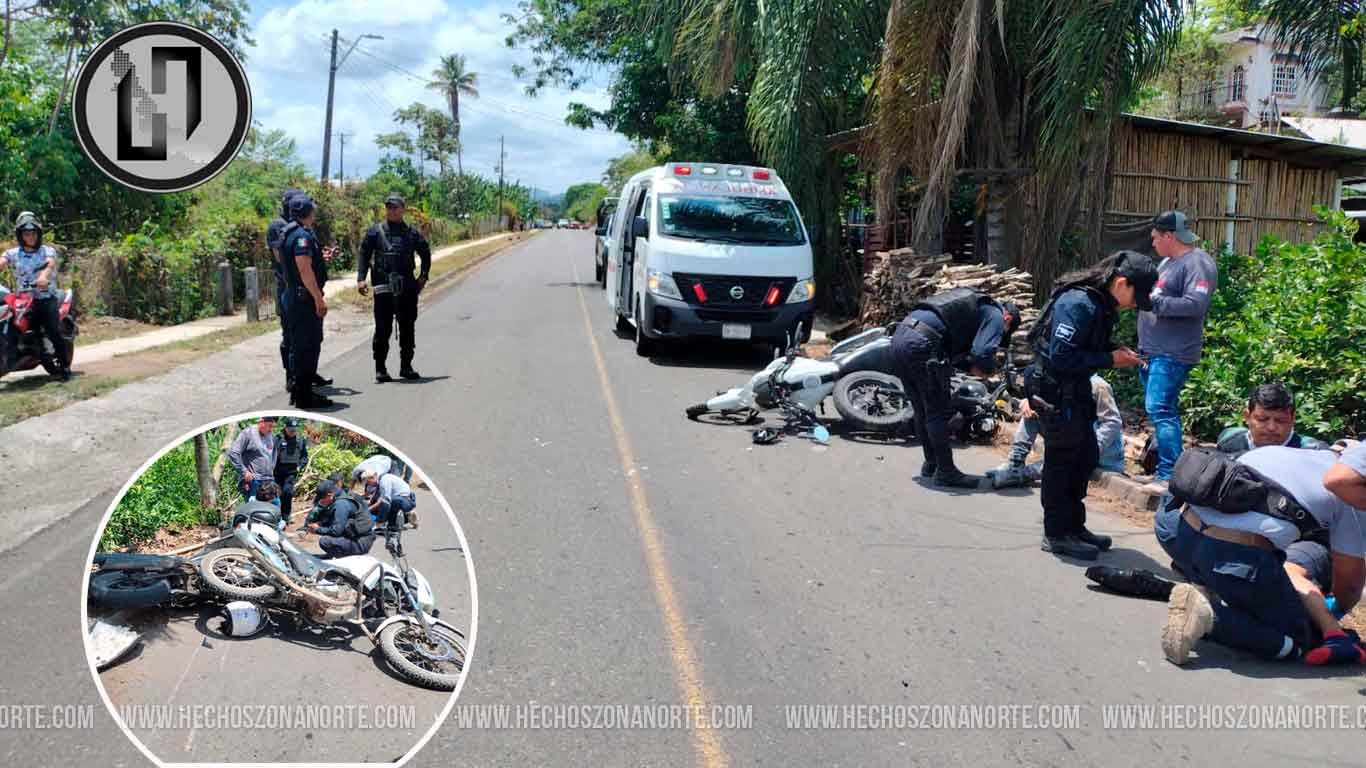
22, 345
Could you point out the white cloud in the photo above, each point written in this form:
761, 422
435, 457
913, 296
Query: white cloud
288, 72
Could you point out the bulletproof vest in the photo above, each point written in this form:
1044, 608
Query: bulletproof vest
291, 451
292, 269
395, 253
1097, 337
359, 523
957, 310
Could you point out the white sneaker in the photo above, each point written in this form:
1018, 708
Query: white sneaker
1189, 618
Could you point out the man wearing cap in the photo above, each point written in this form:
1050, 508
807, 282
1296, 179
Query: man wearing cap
307, 273
1171, 335
389, 495
275, 237
379, 464
345, 526
291, 456
253, 456
386, 256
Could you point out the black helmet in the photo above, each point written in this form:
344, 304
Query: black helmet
394, 201
1139, 270
289, 194
1010, 312
27, 222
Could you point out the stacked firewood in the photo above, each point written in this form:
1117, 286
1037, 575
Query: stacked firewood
901, 278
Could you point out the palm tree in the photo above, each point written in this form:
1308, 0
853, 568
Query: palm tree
451, 78
1325, 34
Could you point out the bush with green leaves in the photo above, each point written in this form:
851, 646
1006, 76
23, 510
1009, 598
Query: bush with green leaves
1294, 314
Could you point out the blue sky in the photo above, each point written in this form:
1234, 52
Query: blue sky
288, 73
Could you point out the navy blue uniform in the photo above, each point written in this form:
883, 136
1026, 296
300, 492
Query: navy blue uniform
275, 237
306, 328
386, 254
1074, 344
291, 456
350, 530
922, 347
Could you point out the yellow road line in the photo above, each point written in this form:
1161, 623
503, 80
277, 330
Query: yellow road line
705, 740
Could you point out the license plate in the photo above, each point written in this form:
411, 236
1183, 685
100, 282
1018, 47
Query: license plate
735, 331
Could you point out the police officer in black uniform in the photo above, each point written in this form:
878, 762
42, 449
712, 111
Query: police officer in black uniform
291, 456
344, 523
957, 327
275, 237
1072, 341
386, 255
306, 271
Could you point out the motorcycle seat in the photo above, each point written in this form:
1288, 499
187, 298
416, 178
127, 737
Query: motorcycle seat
312, 566
132, 561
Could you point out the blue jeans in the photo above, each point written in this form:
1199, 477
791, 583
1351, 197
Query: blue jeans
1258, 606
1111, 456
388, 510
1162, 380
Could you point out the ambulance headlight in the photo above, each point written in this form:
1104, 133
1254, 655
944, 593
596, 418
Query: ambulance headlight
662, 284
804, 290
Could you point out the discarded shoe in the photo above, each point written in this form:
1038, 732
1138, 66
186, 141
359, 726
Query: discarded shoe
1069, 546
1137, 582
1189, 618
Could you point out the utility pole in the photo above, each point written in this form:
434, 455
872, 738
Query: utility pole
502, 157
331, 90
342, 136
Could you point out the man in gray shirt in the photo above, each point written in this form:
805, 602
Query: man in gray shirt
1171, 336
1248, 600
253, 455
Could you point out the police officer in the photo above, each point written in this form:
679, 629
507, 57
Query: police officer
35, 270
386, 255
291, 455
344, 523
275, 237
1072, 340
961, 326
306, 271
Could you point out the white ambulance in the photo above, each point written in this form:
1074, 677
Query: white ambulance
709, 250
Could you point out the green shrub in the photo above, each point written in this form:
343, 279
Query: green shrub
1291, 313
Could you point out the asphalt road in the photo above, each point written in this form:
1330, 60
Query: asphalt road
627, 556
186, 661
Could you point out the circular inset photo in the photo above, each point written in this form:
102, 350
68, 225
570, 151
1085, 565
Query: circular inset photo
279, 588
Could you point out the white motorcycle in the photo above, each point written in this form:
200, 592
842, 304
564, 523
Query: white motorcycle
269, 572
859, 373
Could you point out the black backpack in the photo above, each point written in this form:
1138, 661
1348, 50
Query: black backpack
359, 522
1209, 478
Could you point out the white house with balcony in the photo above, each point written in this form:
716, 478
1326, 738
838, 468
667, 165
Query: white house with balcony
1264, 82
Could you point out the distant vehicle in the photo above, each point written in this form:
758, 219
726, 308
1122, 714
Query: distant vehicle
602, 241
562, 224
710, 250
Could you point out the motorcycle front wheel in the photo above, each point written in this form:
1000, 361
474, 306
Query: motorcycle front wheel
872, 401
232, 573
433, 661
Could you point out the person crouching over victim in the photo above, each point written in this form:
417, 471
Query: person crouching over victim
958, 326
345, 527
1073, 340
389, 496
1243, 597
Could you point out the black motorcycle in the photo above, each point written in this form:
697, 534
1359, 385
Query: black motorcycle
131, 580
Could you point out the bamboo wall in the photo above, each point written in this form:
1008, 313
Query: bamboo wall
1153, 171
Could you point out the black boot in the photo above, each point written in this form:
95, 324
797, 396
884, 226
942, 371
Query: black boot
1101, 543
1139, 583
928, 470
408, 373
382, 374
954, 479
1070, 546
319, 381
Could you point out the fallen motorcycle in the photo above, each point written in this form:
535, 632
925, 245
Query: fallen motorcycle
392, 604
130, 580
857, 372
22, 345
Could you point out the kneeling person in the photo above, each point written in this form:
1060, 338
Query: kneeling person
1262, 607
1270, 420
389, 496
346, 527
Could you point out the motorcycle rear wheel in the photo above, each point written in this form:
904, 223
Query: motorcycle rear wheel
129, 589
231, 573
409, 651
47, 360
872, 401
